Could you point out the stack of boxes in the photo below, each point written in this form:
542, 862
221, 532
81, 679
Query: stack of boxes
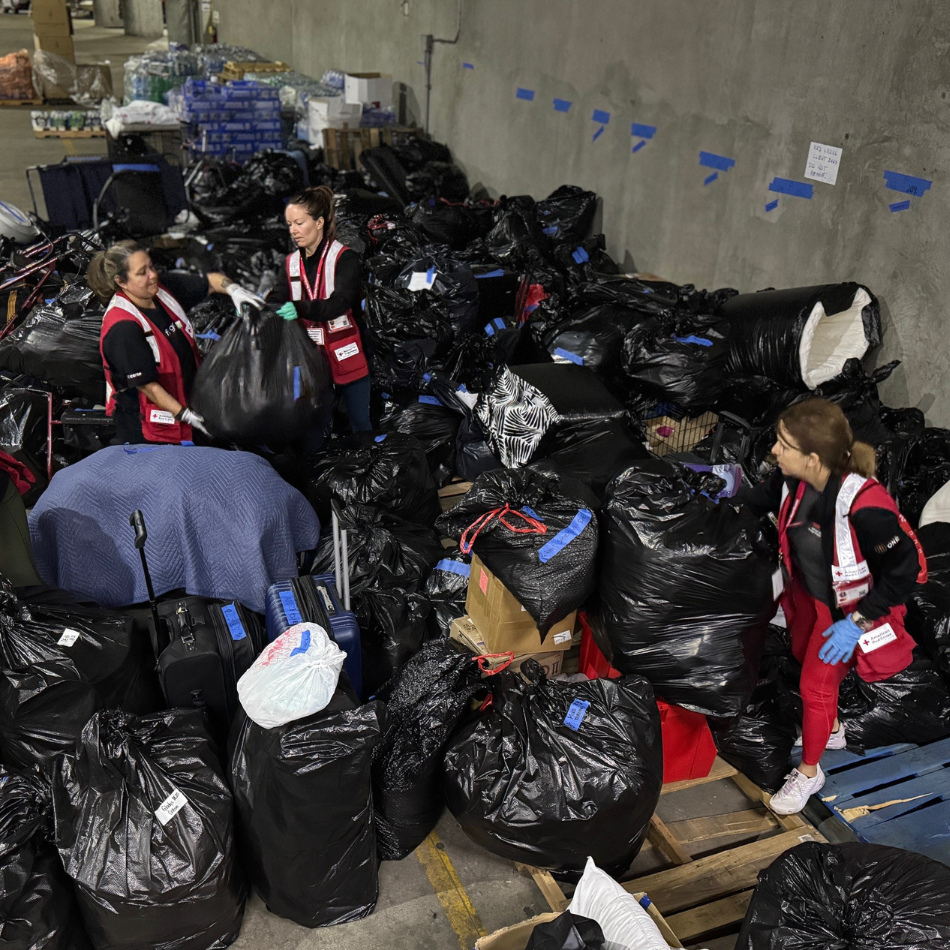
235, 118
496, 623
52, 28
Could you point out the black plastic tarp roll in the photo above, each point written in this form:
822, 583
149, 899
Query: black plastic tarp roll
534, 534
147, 797
424, 702
304, 803
37, 907
801, 337
554, 772
928, 609
265, 383
849, 895
685, 589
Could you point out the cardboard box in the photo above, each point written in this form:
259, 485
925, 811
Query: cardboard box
465, 632
666, 434
330, 113
60, 45
48, 13
369, 89
503, 623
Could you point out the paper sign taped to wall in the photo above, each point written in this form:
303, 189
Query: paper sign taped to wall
823, 163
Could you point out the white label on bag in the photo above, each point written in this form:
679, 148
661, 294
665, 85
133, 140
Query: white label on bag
421, 280
296, 292
339, 323
778, 584
316, 334
345, 352
562, 637
170, 807
161, 417
876, 638
69, 637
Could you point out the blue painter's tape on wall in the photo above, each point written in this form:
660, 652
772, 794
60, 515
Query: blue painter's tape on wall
643, 131
467, 66
906, 183
600, 116
598, 133
711, 178
772, 205
639, 145
711, 160
785, 186
900, 205
526, 94
562, 105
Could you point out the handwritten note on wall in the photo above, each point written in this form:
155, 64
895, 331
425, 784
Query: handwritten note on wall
823, 163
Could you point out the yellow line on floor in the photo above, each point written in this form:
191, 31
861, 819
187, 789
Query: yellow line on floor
70, 148
448, 888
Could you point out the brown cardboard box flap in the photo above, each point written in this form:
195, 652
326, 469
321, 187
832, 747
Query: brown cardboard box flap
464, 631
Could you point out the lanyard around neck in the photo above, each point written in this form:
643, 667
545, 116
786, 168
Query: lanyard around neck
318, 281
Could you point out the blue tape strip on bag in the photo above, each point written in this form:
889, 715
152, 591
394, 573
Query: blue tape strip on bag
643, 131
210, 335
462, 388
906, 183
427, 376
636, 148
532, 512
711, 178
548, 231
900, 205
187, 442
491, 273
692, 338
231, 618
712, 160
489, 329
499, 323
568, 355
135, 168
296, 383
562, 105
291, 610
565, 536
785, 186
772, 205
576, 713
598, 133
304, 643
453, 567
380, 438
526, 94
580, 255
601, 116
468, 65
430, 400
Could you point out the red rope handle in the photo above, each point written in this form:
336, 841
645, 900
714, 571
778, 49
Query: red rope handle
483, 521
485, 657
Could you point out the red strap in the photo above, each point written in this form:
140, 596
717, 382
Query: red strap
484, 659
483, 521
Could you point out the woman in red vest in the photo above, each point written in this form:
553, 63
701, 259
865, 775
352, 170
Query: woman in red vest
323, 288
849, 563
147, 343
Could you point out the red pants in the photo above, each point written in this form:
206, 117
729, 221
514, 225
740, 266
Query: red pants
807, 619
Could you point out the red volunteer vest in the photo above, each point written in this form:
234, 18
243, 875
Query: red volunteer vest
339, 337
887, 647
158, 425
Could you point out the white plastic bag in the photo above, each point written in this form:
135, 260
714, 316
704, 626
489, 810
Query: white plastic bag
294, 677
626, 925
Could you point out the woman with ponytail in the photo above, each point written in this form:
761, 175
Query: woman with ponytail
849, 562
323, 290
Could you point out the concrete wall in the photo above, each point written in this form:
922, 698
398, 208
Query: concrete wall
756, 80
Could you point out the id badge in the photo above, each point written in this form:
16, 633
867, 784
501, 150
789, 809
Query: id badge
339, 323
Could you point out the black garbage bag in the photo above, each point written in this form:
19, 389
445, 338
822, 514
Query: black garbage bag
650, 297
567, 214
23, 425
553, 772
578, 394
855, 390
448, 279
910, 706
265, 383
928, 609
593, 338
212, 318
415, 151
444, 222
756, 399
471, 360
516, 239
305, 811
473, 453
389, 561
388, 471
59, 344
276, 172
145, 830
862, 896
534, 534
434, 425
685, 589
800, 337
447, 589
682, 361
585, 261
208, 184
439, 181
255, 258
37, 907
567, 932
760, 742
922, 469
425, 702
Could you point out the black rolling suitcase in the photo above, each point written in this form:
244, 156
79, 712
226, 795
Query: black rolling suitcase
202, 647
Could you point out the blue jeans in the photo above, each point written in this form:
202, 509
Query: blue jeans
356, 397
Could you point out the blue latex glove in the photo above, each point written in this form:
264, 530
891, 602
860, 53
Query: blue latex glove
842, 637
288, 311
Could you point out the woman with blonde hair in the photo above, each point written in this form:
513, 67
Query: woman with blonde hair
849, 562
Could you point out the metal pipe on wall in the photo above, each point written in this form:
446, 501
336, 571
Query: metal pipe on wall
430, 42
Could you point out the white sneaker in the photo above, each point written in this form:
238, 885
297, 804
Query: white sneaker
796, 791
836, 740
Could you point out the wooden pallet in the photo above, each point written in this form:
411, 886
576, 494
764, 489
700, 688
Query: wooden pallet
69, 133
234, 70
705, 896
897, 795
13, 103
343, 147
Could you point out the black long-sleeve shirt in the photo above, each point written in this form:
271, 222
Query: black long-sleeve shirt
890, 553
347, 290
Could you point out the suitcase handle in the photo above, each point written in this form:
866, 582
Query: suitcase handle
341, 560
137, 521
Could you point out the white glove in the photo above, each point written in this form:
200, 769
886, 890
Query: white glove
191, 418
239, 295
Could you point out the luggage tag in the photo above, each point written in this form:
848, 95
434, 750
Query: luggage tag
231, 618
291, 610
170, 807
575, 714
161, 417
69, 637
877, 638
